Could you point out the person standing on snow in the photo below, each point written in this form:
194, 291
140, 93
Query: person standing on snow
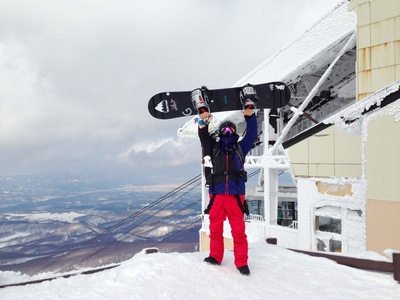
227, 184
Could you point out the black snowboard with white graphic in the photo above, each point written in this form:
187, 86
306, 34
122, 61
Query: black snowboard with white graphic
170, 105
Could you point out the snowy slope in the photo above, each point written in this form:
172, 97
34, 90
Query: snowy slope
277, 273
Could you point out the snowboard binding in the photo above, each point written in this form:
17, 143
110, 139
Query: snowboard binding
248, 97
200, 100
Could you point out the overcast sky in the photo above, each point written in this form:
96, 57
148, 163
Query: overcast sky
76, 75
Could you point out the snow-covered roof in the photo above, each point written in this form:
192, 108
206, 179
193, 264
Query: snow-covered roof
310, 51
349, 120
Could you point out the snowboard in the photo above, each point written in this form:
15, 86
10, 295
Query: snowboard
170, 105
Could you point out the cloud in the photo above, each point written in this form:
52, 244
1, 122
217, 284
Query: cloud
167, 152
76, 75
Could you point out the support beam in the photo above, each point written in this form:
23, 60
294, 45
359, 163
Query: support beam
300, 110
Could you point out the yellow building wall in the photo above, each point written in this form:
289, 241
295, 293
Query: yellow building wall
382, 155
205, 242
378, 65
383, 225
378, 44
330, 153
382, 172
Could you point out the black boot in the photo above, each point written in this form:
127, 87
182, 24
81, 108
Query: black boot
244, 270
211, 260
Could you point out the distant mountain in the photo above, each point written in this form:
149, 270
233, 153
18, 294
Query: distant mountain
65, 220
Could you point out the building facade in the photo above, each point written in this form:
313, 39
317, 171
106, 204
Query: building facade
378, 66
343, 150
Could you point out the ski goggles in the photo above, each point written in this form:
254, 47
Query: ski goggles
227, 130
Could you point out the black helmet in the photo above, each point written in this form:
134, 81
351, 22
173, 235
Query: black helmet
227, 128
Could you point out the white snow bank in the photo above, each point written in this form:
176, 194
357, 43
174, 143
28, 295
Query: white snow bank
276, 273
40, 217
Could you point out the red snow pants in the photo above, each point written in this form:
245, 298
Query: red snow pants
227, 206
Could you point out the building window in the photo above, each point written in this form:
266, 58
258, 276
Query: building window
256, 207
328, 224
329, 245
328, 228
287, 213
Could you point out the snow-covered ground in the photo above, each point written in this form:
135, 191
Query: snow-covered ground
276, 273
63, 217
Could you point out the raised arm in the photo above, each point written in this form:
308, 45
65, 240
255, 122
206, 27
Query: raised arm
251, 133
